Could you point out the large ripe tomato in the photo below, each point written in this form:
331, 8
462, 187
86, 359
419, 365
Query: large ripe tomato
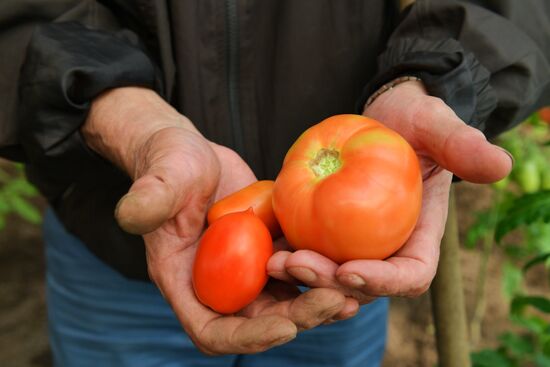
229, 270
257, 196
349, 188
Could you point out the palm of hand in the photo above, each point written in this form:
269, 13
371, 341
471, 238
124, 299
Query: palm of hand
180, 175
444, 144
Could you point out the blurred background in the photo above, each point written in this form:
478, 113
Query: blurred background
505, 255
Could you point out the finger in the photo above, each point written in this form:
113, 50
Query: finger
317, 271
276, 267
313, 269
179, 170
410, 271
306, 311
149, 203
459, 148
350, 309
225, 335
211, 332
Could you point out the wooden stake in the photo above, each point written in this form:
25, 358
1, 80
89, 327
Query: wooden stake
448, 299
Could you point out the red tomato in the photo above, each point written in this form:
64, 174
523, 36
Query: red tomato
544, 114
256, 196
350, 188
230, 264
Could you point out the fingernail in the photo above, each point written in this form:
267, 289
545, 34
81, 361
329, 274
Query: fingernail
508, 153
117, 208
352, 280
304, 274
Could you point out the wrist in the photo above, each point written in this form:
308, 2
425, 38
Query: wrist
121, 120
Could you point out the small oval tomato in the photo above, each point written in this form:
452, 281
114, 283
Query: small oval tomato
528, 176
229, 270
349, 188
256, 196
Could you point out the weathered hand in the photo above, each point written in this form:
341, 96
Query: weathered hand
444, 144
177, 175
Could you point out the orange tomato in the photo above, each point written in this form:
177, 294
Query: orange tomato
229, 270
257, 196
349, 188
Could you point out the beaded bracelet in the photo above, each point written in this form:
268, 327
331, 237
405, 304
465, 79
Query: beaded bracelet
386, 87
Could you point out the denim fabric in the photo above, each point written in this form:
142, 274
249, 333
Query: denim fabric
99, 318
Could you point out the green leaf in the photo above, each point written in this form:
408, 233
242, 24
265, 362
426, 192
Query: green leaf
516, 344
24, 209
542, 360
536, 260
482, 225
540, 303
489, 358
511, 280
516, 251
524, 210
23, 187
532, 323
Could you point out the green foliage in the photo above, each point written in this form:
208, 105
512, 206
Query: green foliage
511, 280
16, 195
522, 207
524, 210
490, 358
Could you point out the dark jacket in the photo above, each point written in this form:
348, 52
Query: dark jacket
251, 75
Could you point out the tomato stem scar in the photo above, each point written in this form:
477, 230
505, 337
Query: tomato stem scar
326, 162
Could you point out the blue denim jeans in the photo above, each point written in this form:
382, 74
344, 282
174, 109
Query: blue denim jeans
99, 318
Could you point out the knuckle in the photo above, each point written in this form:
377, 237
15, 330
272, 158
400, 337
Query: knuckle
420, 288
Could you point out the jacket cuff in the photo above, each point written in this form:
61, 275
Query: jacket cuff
67, 65
447, 71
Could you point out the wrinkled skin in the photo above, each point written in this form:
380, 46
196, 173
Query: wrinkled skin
444, 144
177, 175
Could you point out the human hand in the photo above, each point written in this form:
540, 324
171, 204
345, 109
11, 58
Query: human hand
177, 175
444, 144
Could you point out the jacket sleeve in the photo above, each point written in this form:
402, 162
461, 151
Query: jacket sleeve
61, 58
488, 60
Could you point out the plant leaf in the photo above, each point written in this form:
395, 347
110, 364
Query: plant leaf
511, 280
539, 302
516, 344
542, 360
536, 260
24, 209
524, 210
489, 358
534, 324
478, 229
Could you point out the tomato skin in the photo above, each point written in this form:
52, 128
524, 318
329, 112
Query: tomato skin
257, 196
367, 208
229, 270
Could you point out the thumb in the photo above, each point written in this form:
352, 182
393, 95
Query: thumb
180, 176
465, 151
149, 203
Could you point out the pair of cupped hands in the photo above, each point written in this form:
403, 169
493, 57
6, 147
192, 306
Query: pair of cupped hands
178, 174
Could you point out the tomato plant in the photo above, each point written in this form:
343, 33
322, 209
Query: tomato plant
521, 204
229, 270
349, 188
256, 196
